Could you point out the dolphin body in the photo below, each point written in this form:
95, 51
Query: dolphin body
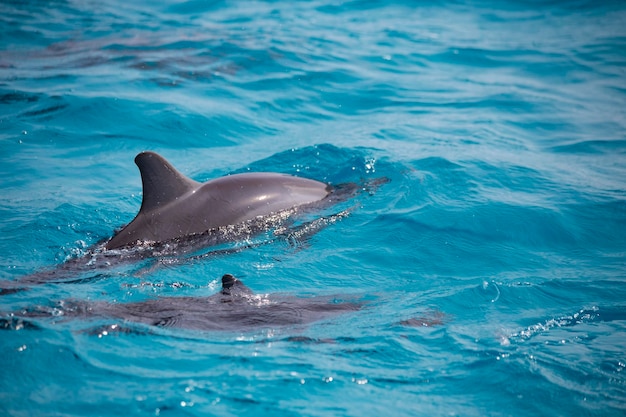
234, 308
179, 216
175, 206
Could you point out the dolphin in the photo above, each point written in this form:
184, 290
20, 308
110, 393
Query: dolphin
235, 308
179, 216
175, 206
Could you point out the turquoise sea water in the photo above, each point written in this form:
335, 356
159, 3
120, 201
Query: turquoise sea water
493, 261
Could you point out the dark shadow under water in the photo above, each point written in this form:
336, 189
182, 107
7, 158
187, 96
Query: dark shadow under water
234, 308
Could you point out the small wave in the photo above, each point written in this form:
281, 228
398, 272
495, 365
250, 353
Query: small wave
585, 315
597, 147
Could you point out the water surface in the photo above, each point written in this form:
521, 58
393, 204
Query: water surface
494, 260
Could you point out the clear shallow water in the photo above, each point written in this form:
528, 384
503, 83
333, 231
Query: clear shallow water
501, 127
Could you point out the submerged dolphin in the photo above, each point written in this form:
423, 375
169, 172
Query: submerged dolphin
175, 206
235, 307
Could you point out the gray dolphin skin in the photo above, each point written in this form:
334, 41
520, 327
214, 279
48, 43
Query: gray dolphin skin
175, 206
234, 308
179, 217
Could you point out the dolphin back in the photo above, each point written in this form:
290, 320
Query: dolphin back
175, 206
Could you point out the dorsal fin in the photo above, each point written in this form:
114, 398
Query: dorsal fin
232, 286
162, 183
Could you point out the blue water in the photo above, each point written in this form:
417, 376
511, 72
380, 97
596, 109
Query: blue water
494, 260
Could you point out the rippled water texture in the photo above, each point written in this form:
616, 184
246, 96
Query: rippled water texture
491, 266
